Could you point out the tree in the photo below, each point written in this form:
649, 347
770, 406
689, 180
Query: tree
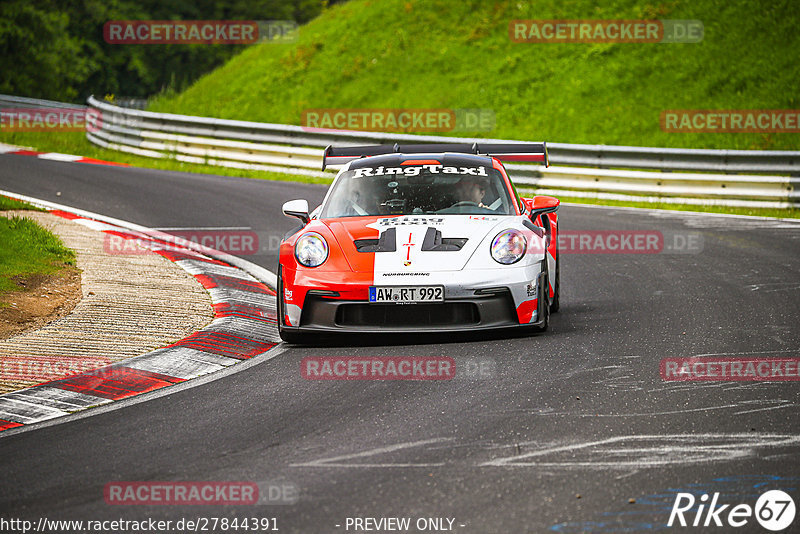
55, 49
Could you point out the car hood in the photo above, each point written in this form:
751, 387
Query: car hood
415, 244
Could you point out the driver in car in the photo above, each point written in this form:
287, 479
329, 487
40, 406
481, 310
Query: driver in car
363, 199
471, 190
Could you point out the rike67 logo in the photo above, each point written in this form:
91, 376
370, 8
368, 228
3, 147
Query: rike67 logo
774, 510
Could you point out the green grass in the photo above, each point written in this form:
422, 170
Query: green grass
445, 54
12, 204
28, 249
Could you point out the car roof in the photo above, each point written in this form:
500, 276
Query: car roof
448, 159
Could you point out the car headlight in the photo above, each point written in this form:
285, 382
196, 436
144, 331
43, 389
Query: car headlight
311, 250
509, 246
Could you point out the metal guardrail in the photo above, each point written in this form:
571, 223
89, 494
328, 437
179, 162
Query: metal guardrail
7, 101
603, 156
617, 172
298, 150
677, 159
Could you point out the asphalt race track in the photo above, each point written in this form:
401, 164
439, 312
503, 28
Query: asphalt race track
556, 431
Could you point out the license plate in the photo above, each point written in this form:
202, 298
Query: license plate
406, 294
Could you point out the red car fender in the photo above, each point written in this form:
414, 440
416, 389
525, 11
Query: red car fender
552, 217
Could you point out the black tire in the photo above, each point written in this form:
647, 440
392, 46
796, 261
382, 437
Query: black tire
555, 305
295, 338
544, 309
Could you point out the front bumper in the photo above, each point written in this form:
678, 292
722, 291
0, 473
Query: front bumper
486, 311
483, 304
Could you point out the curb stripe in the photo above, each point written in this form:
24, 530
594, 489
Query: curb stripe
174, 255
64, 158
4, 425
220, 294
192, 266
115, 382
61, 399
244, 311
55, 156
65, 214
102, 162
244, 326
225, 344
181, 362
210, 281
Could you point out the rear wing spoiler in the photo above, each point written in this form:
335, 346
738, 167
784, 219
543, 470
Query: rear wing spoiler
533, 152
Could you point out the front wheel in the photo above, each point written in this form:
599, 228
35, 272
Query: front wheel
556, 304
543, 315
295, 338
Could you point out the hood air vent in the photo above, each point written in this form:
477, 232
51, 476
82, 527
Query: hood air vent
435, 242
387, 242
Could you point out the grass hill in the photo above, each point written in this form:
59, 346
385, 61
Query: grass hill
458, 54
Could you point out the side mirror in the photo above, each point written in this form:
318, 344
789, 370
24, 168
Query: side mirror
540, 205
297, 208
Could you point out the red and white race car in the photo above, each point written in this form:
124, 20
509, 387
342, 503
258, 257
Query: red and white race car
419, 238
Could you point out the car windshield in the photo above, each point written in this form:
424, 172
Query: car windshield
418, 189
